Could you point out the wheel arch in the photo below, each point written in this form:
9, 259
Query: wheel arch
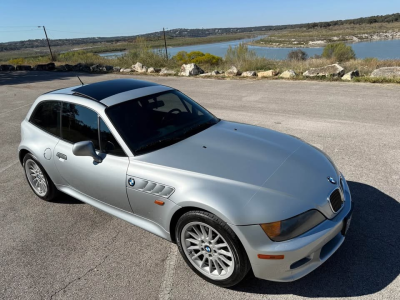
21, 154
175, 217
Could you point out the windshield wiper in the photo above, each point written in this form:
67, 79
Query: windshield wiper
157, 144
199, 127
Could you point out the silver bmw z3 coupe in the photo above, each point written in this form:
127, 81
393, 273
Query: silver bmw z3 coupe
232, 196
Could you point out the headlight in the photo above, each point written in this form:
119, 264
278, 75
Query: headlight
290, 228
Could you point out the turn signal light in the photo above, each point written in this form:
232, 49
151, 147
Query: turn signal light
266, 256
272, 229
159, 202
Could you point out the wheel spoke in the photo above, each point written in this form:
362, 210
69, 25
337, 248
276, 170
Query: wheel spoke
221, 245
193, 241
193, 247
197, 255
223, 252
225, 260
209, 233
195, 230
216, 239
209, 265
217, 267
196, 236
203, 232
222, 264
202, 262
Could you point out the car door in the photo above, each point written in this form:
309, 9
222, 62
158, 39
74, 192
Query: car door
103, 181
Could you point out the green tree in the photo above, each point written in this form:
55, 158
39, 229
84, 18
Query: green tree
339, 51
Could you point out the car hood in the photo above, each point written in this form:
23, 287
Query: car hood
234, 151
282, 170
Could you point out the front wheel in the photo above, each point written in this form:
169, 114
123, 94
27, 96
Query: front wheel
211, 248
38, 179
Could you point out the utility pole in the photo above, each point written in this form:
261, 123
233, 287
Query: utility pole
165, 44
48, 43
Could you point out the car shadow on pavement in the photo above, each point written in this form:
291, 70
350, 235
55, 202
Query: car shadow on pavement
366, 263
66, 199
23, 77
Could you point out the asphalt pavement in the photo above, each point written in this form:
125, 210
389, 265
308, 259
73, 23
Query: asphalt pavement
70, 250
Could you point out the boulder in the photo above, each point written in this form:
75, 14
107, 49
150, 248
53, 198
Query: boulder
81, 67
329, 71
216, 72
45, 67
249, 74
233, 71
116, 69
388, 72
351, 75
7, 68
23, 68
69, 67
95, 68
166, 71
269, 73
151, 70
288, 74
138, 67
206, 74
190, 70
126, 70
61, 68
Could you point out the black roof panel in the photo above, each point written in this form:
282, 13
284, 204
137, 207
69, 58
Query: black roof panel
104, 89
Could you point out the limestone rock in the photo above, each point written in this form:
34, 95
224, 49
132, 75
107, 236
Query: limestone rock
249, 74
233, 71
388, 72
269, 73
190, 70
288, 74
349, 76
166, 71
329, 71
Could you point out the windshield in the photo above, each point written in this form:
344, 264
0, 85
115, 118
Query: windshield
159, 120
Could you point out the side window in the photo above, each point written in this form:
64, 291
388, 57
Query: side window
47, 117
79, 124
108, 143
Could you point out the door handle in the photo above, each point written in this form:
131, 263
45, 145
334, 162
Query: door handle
61, 156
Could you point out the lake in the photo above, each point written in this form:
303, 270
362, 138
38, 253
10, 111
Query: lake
389, 49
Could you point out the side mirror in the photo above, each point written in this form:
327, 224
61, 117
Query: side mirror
86, 148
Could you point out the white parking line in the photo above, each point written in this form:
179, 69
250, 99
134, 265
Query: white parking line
6, 112
9, 166
166, 286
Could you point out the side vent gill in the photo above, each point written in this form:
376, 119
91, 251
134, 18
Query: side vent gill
158, 189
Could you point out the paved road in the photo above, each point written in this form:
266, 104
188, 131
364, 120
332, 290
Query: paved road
69, 250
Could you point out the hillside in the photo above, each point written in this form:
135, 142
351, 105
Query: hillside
195, 33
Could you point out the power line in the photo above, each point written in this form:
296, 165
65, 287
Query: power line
92, 32
19, 30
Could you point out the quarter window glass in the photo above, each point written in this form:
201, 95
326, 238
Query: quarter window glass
108, 143
79, 124
47, 117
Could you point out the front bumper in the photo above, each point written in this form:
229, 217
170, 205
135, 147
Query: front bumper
302, 254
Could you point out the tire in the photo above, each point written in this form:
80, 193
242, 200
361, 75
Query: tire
38, 180
223, 251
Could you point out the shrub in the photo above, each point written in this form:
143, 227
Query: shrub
197, 57
145, 55
339, 51
297, 55
246, 60
16, 61
80, 57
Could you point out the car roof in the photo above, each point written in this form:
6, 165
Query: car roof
115, 91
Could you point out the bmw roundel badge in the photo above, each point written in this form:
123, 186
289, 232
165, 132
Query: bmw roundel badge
131, 181
208, 249
331, 180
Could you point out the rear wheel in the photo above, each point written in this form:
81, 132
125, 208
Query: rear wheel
38, 179
211, 248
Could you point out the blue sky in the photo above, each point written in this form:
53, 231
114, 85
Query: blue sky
73, 18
